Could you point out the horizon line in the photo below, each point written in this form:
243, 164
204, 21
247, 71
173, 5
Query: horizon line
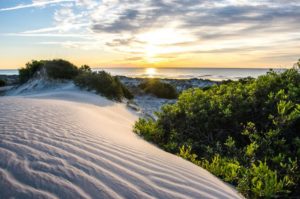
195, 67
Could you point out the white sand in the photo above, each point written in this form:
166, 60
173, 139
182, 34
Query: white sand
73, 144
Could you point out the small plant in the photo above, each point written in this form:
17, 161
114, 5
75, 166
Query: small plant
29, 71
186, 153
85, 68
159, 89
103, 83
2, 83
148, 130
259, 181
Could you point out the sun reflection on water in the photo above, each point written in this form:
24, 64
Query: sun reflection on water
150, 72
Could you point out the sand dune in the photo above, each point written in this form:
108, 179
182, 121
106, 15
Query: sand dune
73, 144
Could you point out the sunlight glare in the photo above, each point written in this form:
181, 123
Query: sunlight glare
150, 72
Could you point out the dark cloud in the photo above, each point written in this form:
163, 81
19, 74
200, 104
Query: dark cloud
134, 59
281, 57
243, 14
195, 14
123, 42
127, 21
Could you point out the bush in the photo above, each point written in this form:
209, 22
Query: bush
85, 68
246, 132
30, 69
257, 181
57, 69
60, 69
103, 83
2, 83
159, 89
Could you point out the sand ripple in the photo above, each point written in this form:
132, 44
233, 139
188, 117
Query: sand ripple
54, 148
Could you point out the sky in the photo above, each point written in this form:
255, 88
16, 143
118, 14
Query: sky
151, 33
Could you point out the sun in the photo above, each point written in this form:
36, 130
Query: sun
150, 54
161, 41
150, 72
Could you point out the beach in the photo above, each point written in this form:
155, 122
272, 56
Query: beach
146, 104
68, 143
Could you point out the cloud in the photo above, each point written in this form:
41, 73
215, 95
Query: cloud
35, 3
68, 35
161, 27
60, 28
133, 58
123, 42
205, 19
219, 26
89, 4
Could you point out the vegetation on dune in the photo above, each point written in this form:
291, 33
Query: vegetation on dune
30, 70
61, 69
85, 68
2, 83
56, 69
247, 132
102, 82
159, 89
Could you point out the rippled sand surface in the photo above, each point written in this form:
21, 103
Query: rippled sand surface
72, 144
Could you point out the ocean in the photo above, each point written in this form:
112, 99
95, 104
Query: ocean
179, 73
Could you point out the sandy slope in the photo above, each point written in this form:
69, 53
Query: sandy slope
72, 144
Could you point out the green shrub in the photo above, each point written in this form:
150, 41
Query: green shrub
30, 69
2, 83
103, 83
238, 130
85, 68
262, 182
56, 69
148, 130
159, 89
127, 94
60, 69
255, 181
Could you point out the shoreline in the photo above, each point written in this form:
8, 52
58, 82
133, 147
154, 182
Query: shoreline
213, 74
